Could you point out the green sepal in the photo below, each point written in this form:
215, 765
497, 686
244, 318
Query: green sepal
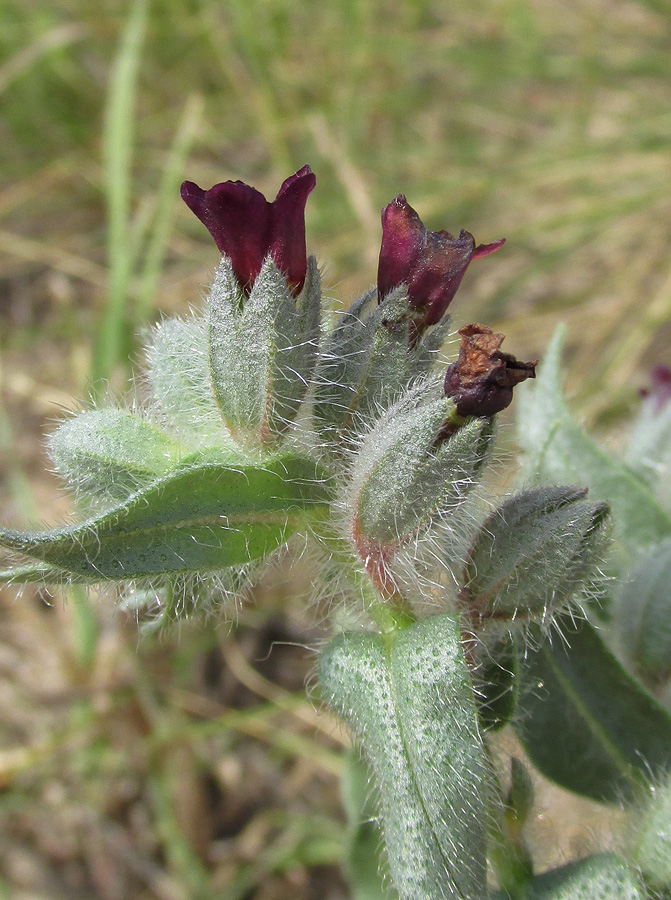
586, 723
203, 516
408, 698
533, 553
110, 453
178, 373
557, 449
368, 360
262, 349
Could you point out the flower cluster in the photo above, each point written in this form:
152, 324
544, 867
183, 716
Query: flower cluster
430, 265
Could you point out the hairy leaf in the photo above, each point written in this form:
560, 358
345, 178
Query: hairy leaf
409, 700
205, 516
585, 722
557, 449
644, 614
111, 452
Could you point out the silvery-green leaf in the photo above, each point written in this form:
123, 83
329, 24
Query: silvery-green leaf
643, 614
557, 449
409, 700
111, 452
203, 516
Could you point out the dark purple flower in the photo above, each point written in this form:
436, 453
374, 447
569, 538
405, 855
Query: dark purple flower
482, 379
247, 228
430, 263
659, 392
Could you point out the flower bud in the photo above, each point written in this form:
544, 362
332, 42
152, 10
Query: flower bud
534, 553
418, 461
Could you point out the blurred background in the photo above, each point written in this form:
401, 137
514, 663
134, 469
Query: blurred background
189, 765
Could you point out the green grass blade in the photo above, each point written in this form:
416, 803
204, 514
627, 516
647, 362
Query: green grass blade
118, 146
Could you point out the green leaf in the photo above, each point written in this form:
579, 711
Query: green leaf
557, 449
601, 877
495, 681
206, 516
585, 722
643, 614
409, 699
111, 452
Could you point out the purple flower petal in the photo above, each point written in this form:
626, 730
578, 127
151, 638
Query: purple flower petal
486, 249
402, 245
287, 239
246, 227
430, 263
